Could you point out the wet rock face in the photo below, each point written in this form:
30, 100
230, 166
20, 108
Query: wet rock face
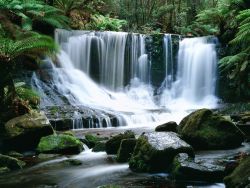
204, 129
61, 144
24, 132
186, 169
240, 176
113, 144
167, 127
154, 152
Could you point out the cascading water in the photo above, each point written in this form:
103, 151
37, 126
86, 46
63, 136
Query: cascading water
103, 56
195, 82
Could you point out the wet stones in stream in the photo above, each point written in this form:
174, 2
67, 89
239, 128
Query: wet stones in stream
185, 168
155, 152
113, 144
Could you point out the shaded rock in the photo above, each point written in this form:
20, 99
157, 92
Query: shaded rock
240, 176
170, 126
62, 124
63, 144
14, 154
24, 132
187, 169
113, 143
72, 162
91, 140
126, 149
99, 146
11, 162
156, 151
204, 129
4, 170
44, 156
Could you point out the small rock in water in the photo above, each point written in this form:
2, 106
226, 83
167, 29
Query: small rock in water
167, 127
113, 144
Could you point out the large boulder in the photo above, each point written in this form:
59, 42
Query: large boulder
186, 169
10, 162
113, 144
154, 152
204, 129
240, 176
126, 149
167, 127
24, 132
61, 144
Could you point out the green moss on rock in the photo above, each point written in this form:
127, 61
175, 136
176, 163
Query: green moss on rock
113, 144
240, 177
204, 129
99, 146
65, 144
126, 149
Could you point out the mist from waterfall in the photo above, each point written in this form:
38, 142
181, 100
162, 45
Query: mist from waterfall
111, 72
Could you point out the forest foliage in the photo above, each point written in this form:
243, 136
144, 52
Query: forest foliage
26, 28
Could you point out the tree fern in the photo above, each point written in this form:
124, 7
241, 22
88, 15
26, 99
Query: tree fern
243, 35
33, 46
35, 10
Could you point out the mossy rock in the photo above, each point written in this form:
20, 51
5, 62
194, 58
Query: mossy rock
4, 170
167, 127
240, 177
24, 132
11, 162
70, 133
99, 146
113, 144
61, 144
204, 129
154, 152
91, 140
126, 149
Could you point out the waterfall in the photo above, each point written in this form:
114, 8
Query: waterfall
104, 79
101, 55
196, 75
168, 53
